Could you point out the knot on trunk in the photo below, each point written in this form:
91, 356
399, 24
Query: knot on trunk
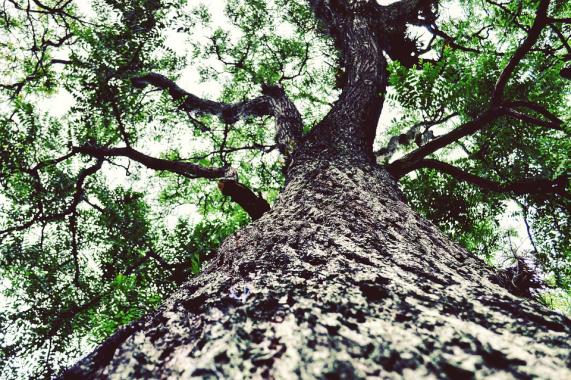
521, 279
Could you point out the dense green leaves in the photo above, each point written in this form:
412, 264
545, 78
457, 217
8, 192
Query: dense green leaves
457, 78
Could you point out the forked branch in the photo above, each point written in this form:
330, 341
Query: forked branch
253, 204
77, 197
414, 133
497, 106
274, 102
409, 162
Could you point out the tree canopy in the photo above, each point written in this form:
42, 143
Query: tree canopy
135, 135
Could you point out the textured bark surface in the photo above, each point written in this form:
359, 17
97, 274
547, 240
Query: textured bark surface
341, 279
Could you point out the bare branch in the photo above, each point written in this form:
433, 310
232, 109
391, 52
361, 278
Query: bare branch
223, 151
450, 40
525, 186
273, 102
254, 205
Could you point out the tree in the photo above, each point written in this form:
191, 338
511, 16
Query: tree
336, 276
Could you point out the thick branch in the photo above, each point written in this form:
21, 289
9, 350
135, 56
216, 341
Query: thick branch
526, 186
351, 124
566, 20
289, 125
229, 113
253, 204
539, 23
274, 102
186, 169
406, 164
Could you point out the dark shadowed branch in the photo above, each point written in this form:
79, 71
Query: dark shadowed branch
186, 169
451, 41
532, 36
253, 204
274, 102
535, 107
525, 186
556, 125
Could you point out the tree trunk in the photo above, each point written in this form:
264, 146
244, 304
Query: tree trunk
341, 279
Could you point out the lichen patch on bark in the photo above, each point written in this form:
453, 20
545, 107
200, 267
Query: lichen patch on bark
343, 280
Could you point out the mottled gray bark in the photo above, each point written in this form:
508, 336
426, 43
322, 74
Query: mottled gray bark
341, 279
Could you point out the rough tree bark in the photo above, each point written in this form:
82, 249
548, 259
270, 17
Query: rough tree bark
341, 279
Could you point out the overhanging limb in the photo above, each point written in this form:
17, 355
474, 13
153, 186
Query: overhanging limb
525, 186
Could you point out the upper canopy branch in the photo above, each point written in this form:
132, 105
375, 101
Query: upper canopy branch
274, 102
525, 186
551, 124
229, 113
498, 107
541, 20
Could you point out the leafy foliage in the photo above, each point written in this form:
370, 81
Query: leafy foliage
456, 78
